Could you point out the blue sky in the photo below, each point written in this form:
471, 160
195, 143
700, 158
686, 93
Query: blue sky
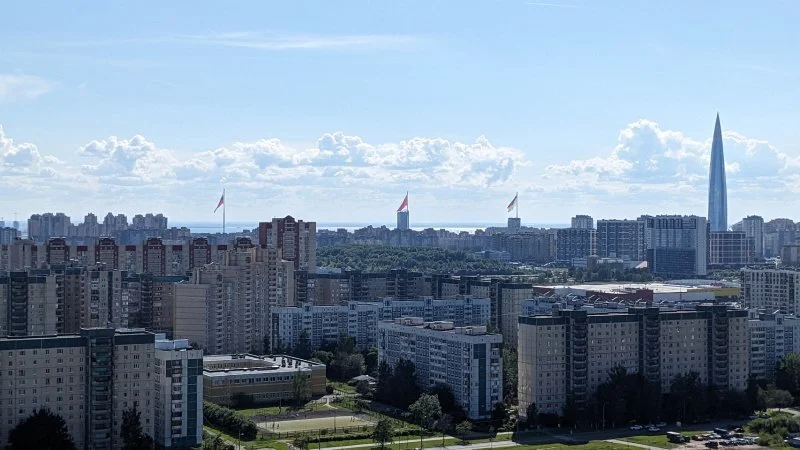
332, 110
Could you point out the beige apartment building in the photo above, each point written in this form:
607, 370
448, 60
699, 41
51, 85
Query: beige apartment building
265, 379
88, 379
571, 352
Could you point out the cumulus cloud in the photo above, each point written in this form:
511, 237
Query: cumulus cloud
647, 154
24, 158
128, 160
22, 87
438, 162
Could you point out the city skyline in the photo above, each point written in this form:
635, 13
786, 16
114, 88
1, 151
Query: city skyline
342, 110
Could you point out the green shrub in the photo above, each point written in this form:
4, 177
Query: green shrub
229, 421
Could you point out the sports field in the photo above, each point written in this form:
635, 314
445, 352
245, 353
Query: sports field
322, 423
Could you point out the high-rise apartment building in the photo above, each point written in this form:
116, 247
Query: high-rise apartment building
772, 336
676, 245
75, 376
717, 187
771, 290
468, 360
729, 249
753, 228
403, 220
8, 235
29, 304
238, 293
621, 239
575, 243
570, 353
178, 394
583, 222
296, 239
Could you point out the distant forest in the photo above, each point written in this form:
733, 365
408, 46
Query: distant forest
379, 258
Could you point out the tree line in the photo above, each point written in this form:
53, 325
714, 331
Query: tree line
379, 258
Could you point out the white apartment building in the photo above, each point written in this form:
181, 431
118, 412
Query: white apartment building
772, 335
325, 324
178, 389
571, 352
771, 290
468, 360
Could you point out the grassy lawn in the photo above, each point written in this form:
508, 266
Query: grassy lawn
344, 387
408, 442
591, 445
276, 409
256, 444
656, 440
321, 423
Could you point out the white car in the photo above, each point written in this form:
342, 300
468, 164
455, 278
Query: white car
661, 424
636, 427
653, 429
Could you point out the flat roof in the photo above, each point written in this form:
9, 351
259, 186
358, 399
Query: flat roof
625, 288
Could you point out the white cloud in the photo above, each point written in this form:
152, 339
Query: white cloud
22, 87
128, 161
433, 161
646, 153
276, 41
23, 159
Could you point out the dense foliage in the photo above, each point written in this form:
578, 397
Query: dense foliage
426, 411
397, 386
42, 430
229, 421
133, 438
383, 432
377, 258
771, 430
510, 375
629, 397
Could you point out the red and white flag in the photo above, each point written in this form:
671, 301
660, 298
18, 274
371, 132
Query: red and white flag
221, 201
403, 205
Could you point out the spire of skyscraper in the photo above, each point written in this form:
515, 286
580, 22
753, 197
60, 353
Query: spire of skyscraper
717, 187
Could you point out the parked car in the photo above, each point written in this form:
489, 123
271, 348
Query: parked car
661, 424
712, 444
653, 429
636, 427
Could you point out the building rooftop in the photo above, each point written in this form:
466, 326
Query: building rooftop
441, 325
225, 365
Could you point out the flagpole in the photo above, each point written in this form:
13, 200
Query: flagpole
223, 212
516, 204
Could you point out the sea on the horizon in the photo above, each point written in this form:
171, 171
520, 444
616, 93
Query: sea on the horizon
237, 227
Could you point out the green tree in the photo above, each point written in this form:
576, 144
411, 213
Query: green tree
788, 374
362, 387
43, 430
383, 432
510, 375
384, 387
773, 397
133, 438
303, 347
301, 388
532, 415
346, 366
300, 442
463, 429
371, 360
212, 443
404, 388
444, 424
426, 410
323, 357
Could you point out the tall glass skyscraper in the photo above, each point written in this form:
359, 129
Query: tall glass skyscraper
717, 188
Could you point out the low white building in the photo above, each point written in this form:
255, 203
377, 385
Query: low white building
178, 385
468, 360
